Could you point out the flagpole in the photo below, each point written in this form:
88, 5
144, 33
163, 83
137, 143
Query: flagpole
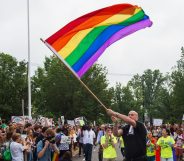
73, 72
29, 64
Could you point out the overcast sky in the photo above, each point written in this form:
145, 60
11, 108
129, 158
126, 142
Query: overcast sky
157, 47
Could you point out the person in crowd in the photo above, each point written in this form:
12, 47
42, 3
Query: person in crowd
122, 146
80, 140
30, 142
101, 133
28, 126
155, 131
67, 156
61, 143
41, 135
166, 143
3, 125
17, 147
37, 130
150, 146
108, 142
88, 140
134, 135
46, 146
3, 145
179, 144
73, 136
19, 128
38, 134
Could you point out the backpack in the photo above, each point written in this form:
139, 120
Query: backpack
7, 153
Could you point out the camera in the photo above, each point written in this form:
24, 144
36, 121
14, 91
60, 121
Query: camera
51, 139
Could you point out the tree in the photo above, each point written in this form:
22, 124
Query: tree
61, 93
147, 91
13, 88
123, 100
177, 83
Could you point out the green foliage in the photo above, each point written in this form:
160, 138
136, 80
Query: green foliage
177, 83
13, 86
57, 91
142, 94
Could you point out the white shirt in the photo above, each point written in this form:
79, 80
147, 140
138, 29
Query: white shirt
88, 136
16, 150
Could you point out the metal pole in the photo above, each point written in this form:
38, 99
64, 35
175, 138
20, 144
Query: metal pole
29, 72
22, 107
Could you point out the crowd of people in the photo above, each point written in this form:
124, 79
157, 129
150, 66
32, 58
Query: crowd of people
137, 142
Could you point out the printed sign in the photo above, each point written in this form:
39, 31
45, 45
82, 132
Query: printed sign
65, 139
18, 119
62, 120
157, 122
79, 121
71, 122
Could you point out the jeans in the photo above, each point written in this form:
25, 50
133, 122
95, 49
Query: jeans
88, 151
100, 153
152, 158
81, 148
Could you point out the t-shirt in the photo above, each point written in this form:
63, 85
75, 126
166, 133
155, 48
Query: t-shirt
16, 150
61, 144
165, 144
110, 151
151, 149
122, 142
135, 140
47, 154
88, 137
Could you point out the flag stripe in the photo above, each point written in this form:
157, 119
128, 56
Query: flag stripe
89, 23
84, 45
73, 24
75, 40
83, 40
122, 33
102, 37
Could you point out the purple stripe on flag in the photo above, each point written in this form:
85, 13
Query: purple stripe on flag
120, 34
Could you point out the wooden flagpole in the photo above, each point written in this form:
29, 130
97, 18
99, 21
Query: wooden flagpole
73, 72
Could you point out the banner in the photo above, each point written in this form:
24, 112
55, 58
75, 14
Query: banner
79, 121
157, 122
62, 120
18, 119
71, 122
45, 121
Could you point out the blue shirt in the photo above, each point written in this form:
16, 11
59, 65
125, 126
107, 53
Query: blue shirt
100, 134
47, 154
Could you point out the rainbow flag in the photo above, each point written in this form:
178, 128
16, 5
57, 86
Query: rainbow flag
81, 42
55, 157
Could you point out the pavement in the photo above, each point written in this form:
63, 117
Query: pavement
95, 155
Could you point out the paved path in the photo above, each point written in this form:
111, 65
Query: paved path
95, 155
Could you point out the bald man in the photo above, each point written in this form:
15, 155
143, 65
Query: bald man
134, 135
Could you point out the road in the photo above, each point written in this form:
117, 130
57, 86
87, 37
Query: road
95, 155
